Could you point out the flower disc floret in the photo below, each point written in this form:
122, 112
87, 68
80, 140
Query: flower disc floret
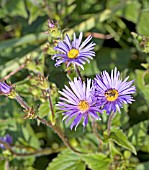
77, 102
83, 105
111, 92
111, 95
75, 52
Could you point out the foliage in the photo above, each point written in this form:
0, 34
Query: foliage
120, 31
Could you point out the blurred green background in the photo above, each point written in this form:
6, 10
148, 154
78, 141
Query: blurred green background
23, 24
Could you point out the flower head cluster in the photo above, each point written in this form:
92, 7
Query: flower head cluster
4, 88
74, 52
108, 93
111, 92
7, 139
78, 102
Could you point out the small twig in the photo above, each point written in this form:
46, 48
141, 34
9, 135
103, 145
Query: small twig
99, 35
59, 133
46, 151
50, 103
78, 72
112, 115
13, 72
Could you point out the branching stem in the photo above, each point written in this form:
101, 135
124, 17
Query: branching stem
58, 132
41, 152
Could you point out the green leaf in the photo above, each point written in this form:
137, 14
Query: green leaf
25, 40
90, 68
44, 109
143, 25
140, 84
145, 65
67, 160
2, 163
131, 11
146, 78
120, 138
145, 147
137, 133
13, 8
35, 10
97, 161
143, 166
29, 137
84, 26
37, 66
113, 150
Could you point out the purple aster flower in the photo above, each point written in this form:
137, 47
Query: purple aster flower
78, 103
4, 88
7, 139
74, 52
112, 92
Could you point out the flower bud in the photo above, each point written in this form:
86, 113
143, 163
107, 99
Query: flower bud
5, 88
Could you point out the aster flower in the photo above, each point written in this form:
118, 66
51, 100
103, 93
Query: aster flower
74, 52
4, 88
7, 139
78, 103
112, 92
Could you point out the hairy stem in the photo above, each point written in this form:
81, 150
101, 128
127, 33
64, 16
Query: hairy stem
94, 126
22, 102
112, 115
50, 103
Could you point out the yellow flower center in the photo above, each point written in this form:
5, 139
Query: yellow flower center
73, 53
111, 95
83, 105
